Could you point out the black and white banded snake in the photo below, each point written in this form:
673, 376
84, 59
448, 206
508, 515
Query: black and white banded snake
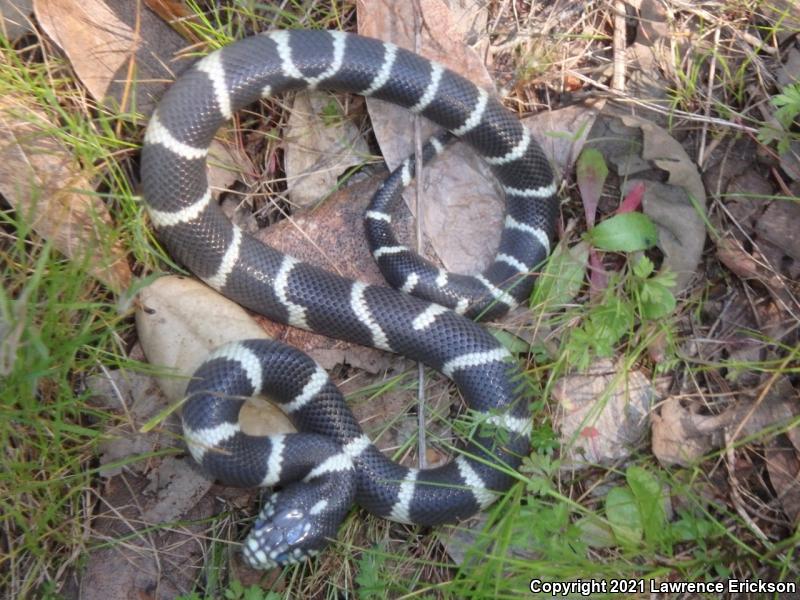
322, 471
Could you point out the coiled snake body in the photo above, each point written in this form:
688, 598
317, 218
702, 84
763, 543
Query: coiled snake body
331, 463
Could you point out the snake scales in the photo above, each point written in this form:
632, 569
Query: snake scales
331, 464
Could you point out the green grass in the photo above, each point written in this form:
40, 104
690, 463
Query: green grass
58, 327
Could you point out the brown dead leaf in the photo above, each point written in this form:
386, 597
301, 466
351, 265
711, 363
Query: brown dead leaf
177, 15
562, 133
783, 466
143, 495
762, 243
226, 163
136, 558
15, 18
778, 406
732, 254
120, 50
778, 225
649, 59
462, 205
386, 418
40, 177
789, 71
783, 16
174, 488
744, 332
653, 22
441, 39
135, 398
681, 436
319, 151
602, 414
470, 18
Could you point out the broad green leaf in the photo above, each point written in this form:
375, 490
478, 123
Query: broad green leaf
623, 516
595, 533
628, 232
646, 490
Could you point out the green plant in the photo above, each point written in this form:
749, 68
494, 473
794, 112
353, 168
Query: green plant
237, 591
635, 296
787, 106
370, 579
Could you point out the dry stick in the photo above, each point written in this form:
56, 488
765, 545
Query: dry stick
738, 502
129, 75
707, 110
618, 78
421, 437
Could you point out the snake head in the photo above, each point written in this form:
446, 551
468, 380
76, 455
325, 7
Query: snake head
299, 521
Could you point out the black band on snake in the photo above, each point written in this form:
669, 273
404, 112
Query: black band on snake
330, 464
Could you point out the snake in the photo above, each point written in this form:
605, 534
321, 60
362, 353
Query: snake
319, 473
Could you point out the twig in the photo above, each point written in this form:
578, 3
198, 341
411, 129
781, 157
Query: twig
736, 497
711, 74
618, 78
421, 437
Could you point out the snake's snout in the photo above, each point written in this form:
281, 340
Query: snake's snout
285, 537
299, 521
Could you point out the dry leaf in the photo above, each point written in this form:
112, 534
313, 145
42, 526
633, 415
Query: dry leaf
681, 436
782, 17
178, 15
319, 150
48, 188
136, 398
118, 49
562, 133
174, 488
731, 253
179, 321
15, 18
778, 225
789, 71
602, 414
226, 163
142, 494
136, 568
470, 19
783, 466
462, 205
779, 406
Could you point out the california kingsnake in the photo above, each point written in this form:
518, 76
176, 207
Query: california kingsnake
321, 471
